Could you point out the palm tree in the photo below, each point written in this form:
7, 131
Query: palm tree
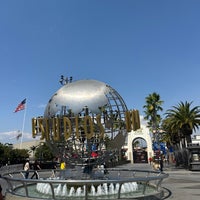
152, 107
182, 120
136, 143
170, 136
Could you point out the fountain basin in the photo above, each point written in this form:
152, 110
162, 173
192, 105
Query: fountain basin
118, 184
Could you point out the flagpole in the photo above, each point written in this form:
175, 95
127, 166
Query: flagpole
23, 125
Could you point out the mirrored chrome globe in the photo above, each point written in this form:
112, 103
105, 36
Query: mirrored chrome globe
89, 98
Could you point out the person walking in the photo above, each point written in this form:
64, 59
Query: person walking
26, 169
36, 167
161, 163
150, 160
53, 175
62, 167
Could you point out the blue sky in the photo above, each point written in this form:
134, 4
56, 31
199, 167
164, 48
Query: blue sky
135, 46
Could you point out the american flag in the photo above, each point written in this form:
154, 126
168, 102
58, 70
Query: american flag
21, 106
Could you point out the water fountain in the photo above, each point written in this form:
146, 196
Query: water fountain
86, 123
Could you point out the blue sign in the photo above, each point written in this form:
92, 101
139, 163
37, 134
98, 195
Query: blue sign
162, 147
155, 146
159, 146
94, 148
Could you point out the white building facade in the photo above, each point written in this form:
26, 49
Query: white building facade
144, 134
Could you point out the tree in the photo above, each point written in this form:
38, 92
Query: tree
169, 133
44, 153
152, 107
181, 121
8, 155
136, 144
18, 155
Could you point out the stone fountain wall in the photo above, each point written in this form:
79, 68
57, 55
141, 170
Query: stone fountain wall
9, 196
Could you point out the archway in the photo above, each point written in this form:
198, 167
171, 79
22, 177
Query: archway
142, 133
139, 149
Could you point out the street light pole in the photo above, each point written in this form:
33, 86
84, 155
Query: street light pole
65, 80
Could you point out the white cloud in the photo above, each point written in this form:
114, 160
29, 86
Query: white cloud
143, 121
11, 137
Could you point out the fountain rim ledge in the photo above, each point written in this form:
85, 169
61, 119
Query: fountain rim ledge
159, 175
145, 180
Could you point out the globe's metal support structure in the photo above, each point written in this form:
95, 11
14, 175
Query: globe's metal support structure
88, 98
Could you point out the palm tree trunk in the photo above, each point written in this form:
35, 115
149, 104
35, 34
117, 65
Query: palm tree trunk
188, 139
186, 143
180, 144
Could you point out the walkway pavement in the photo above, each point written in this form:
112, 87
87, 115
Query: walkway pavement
180, 185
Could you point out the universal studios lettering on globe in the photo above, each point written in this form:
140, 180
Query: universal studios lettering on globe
58, 127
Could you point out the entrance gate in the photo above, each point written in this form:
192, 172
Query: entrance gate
139, 145
140, 156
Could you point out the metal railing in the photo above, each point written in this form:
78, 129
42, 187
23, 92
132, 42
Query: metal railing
144, 178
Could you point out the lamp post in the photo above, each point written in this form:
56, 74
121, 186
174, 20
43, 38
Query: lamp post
65, 80
41, 151
158, 146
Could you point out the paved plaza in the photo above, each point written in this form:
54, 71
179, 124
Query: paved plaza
180, 185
